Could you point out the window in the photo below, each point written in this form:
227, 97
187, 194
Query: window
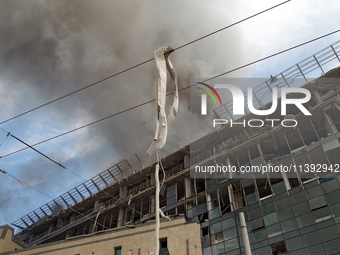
163, 246
163, 243
118, 250
278, 248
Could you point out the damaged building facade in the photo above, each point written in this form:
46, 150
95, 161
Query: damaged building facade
295, 212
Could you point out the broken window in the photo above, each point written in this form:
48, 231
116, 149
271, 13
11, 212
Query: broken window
263, 186
278, 248
239, 200
249, 190
256, 224
171, 195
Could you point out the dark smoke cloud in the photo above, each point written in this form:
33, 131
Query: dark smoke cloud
50, 48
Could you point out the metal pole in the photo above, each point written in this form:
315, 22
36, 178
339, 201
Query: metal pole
318, 64
301, 73
245, 238
335, 53
157, 210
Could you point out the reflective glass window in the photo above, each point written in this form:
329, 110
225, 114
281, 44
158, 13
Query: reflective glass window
214, 213
317, 202
335, 209
282, 203
250, 199
228, 223
286, 214
332, 246
215, 228
289, 225
298, 197
279, 188
322, 214
330, 185
218, 249
311, 238
270, 219
231, 244
333, 197
268, 208
305, 220
263, 251
316, 250
229, 233
314, 192
274, 230
301, 208
256, 213
329, 233
259, 235
256, 224
294, 243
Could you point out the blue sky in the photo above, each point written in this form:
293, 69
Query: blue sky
52, 48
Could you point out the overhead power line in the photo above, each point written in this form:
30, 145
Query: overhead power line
41, 192
150, 101
142, 63
29, 146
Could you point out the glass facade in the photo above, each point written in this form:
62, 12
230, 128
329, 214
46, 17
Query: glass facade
301, 220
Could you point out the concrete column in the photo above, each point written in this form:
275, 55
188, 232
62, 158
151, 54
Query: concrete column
121, 216
68, 234
31, 238
210, 205
152, 203
50, 228
122, 191
188, 190
285, 180
96, 203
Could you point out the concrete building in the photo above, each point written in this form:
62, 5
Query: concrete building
295, 212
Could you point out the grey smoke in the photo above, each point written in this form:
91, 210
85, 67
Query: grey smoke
50, 48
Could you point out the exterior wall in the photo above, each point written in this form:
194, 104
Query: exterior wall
304, 220
141, 237
6, 239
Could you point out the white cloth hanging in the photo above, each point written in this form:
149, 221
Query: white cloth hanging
164, 66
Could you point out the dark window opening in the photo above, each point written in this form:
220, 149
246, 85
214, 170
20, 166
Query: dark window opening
263, 187
118, 250
278, 248
163, 243
205, 231
203, 218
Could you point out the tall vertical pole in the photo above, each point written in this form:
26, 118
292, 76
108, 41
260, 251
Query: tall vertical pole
245, 238
157, 210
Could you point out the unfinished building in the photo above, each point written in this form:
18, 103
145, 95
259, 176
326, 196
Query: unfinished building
296, 212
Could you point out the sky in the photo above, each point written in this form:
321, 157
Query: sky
51, 48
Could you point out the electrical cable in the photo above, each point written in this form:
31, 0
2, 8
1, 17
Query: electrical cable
23, 183
150, 101
4, 139
142, 63
120, 202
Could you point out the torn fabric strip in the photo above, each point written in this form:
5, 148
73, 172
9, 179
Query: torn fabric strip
164, 66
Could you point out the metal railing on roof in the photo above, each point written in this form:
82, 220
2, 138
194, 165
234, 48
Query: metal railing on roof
84, 190
262, 92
